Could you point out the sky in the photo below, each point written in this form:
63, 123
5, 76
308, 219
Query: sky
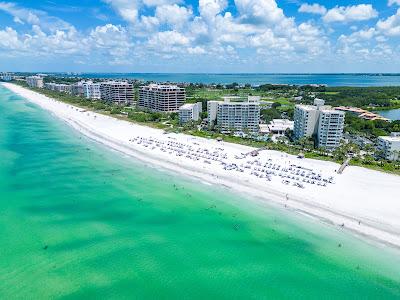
204, 36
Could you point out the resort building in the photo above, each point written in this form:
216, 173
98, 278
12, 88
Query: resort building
305, 121
161, 98
91, 90
390, 146
78, 89
117, 92
330, 128
35, 81
277, 126
212, 111
228, 116
6, 76
190, 112
58, 87
362, 113
319, 121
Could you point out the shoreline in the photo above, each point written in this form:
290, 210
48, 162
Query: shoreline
351, 201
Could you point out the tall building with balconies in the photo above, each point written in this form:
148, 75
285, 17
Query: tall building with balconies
390, 146
35, 81
161, 98
240, 116
117, 92
92, 90
190, 112
305, 121
319, 121
4, 76
58, 87
330, 128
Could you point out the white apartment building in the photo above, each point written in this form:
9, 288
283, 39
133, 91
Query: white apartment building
319, 120
190, 112
92, 90
6, 76
78, 89
58, 87
305, 121
230, 116
330, 128
161, 98
35, 81
390, 146
118, 92
212, 111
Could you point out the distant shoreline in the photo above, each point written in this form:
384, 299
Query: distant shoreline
362, 201
255, 79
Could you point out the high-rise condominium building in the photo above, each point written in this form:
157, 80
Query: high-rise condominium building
390, 146
161, 98
228, 116
78, 88
320, 121
58, 87
35, 81
6, 76
117, 92
190, 112
92, 90
305, 121
330, 128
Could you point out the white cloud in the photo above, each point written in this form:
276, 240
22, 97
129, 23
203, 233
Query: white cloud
255, 31
259, 11
390, 26
127, 9
393, 2
160, 2
174, 15
20, 15
210, 8
9, 39
344, 14
196, 50
168, 41
313, 9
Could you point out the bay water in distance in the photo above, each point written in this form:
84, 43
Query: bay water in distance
79, 221
255, 79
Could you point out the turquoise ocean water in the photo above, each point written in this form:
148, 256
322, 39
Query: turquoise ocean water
78, 221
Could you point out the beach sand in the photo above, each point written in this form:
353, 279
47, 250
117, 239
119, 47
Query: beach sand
360, 200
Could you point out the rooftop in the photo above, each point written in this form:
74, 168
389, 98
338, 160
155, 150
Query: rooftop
390, 138
162, 86
188, 106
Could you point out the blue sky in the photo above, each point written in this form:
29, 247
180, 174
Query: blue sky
200, 36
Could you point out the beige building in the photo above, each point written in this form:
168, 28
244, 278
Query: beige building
58, 87
161, 98
91, 90
117, 92
35, 81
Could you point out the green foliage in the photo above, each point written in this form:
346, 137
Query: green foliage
373, 129
361, 96
269, 114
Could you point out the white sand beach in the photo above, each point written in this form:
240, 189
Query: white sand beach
362, 201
